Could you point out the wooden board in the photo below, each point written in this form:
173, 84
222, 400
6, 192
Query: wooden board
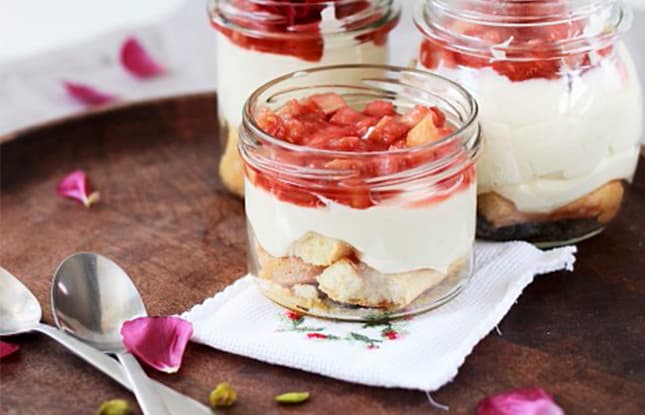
165, 217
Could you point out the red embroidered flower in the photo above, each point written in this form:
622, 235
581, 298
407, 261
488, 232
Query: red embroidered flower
316, 336
292, 315
391, 335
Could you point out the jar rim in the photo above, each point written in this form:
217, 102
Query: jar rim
392, 16
467, 133
249, 122
430, 11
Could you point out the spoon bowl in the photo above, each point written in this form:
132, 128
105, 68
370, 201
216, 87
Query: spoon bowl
92, 297
20, 311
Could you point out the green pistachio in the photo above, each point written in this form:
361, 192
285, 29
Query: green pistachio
222, 395
292, 397
114, 407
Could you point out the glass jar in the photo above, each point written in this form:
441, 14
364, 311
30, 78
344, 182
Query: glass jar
261, 40
326, 238
560, 109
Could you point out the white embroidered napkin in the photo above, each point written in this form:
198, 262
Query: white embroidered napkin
423, 352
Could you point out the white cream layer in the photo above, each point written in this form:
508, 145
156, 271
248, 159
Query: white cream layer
241, 71
390, 239
550, 142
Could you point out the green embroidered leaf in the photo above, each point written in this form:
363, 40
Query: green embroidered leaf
308, 329
362, 338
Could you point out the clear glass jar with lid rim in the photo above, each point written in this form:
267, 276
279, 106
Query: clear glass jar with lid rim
560, 107
361, 234
261, 40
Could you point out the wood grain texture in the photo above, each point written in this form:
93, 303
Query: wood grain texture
165, 217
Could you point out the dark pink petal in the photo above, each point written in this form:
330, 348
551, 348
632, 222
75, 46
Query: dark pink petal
137, 61
88, 95
76, 186
158, 341
7, 348
532, 401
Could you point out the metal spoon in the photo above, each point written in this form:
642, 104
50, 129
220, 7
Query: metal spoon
20, 312
91, 298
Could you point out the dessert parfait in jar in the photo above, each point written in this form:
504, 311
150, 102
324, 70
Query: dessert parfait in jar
360, 194
259, 40
560, 109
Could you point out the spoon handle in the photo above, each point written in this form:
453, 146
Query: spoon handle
177, 403
149, 400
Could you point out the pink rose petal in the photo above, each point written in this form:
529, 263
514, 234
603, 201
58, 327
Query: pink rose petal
88, 95
7, 348
158, 341
76, 186
137, 60
532, 401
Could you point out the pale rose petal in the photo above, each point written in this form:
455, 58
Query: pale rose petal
7, 348
76, 186
158, 341
533, 401
137, 61
88, 95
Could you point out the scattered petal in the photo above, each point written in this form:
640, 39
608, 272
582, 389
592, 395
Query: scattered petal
222, 396
76, 186
137, 61
531, 401
292, 397
158, 341
88, 95
7, 348
115, 407
316, 336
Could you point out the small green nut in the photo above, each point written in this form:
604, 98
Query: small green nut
114, 407
222, 396
292, 397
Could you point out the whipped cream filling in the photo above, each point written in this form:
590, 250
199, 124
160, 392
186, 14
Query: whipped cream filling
390, 239
241, 70
550, 142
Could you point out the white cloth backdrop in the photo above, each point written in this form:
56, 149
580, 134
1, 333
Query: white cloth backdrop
43, 43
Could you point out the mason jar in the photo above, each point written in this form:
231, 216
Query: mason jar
560, 109
357, 234
260, 40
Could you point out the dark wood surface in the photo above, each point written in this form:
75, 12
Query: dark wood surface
165, 217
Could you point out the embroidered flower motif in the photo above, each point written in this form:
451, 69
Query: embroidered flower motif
532, 401
76, 186
136, 60
388, 330
292, 315
158, 341
88, 95
390, 334
369, 342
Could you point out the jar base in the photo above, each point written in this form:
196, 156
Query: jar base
323, 307
541, 234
